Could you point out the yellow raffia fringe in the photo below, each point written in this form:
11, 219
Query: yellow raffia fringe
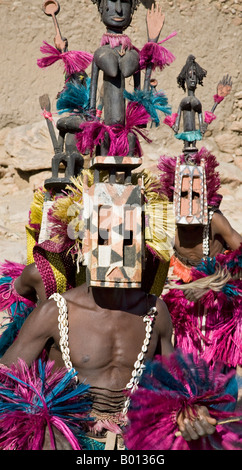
160, 278
59, 272
159, 214
67, 208
31, 236
158, 210
35, 217
36, 208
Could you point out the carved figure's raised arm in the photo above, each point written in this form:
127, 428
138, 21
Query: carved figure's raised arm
224, 88
155, 21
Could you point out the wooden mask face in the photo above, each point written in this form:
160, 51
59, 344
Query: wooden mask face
113, 245
190, 194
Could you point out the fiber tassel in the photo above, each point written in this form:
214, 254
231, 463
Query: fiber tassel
172, 385
16, 307
156, 55
206, 309
225, 301
32, 399
65, 216
74, 61
185, 319
93, 133
115, 40
167, 166
74, 98
11, 329
170, 120
189, 136
226, 341
11, 269
152, 102
180, 270
209, 117
231, 260
136, 117
36, 209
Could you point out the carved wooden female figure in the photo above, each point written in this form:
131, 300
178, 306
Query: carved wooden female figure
117, 58
190, 75
117, 134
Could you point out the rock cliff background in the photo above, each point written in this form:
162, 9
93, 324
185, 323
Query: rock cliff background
211, 30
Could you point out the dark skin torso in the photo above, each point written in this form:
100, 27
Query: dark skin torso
106, 333
189, 239
104, 342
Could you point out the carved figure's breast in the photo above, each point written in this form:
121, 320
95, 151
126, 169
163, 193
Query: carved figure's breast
191, 103
111, 61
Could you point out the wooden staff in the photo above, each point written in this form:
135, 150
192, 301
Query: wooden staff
52, 8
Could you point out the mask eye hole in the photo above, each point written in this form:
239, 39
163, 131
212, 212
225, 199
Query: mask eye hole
104, 228
195, 195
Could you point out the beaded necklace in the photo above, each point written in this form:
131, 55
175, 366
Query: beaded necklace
206, 235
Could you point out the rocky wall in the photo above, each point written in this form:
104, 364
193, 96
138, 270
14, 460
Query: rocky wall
211, 30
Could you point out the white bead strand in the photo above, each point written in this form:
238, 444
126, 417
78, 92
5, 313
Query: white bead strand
139, 366
63, 326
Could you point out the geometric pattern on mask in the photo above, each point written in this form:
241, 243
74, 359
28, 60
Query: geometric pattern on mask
190, 194
113, 243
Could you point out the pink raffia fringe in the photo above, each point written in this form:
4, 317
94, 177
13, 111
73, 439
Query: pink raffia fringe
170, 120
218, 99
35, 399
221, 311
109, 424
11, 269
154, 54
9, 272
136, 116
220, 339
209, 117
115, 40
93, 132
172, 385
74, 61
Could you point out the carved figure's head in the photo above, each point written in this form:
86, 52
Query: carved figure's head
191, 74
116, 14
